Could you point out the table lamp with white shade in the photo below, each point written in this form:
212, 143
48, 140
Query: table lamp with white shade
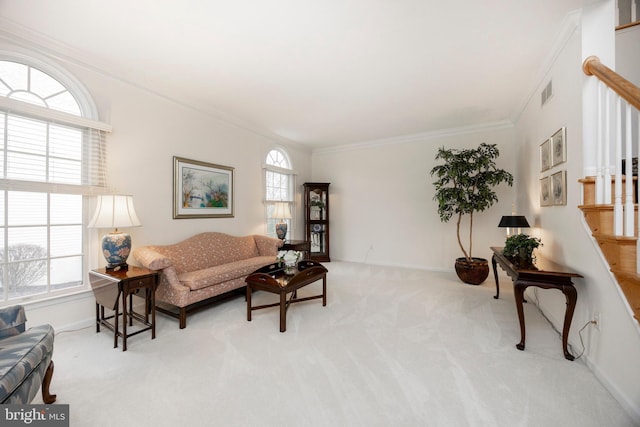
115, 211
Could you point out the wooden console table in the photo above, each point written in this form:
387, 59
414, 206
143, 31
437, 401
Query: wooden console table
546, 275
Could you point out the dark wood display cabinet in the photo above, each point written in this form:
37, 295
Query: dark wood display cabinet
316, 208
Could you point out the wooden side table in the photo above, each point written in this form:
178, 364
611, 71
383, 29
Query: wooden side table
303, 246
110, 287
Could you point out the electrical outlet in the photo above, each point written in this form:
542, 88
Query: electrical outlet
597, 320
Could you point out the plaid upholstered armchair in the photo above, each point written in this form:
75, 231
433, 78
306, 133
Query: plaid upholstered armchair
25, 358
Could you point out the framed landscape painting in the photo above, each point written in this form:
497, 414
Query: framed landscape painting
201, 190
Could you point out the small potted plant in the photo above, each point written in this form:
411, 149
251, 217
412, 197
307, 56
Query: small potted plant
465, 183
519, 249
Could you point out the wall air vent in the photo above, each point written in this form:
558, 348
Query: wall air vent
546, 93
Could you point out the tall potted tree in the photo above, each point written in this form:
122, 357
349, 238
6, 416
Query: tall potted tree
464, 185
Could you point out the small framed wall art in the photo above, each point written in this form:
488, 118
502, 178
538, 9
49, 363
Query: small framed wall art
202, 190
559, 147
559, 188
545, 191
545, 155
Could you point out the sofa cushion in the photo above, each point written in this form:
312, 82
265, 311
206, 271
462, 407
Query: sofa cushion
22, 355
222, 273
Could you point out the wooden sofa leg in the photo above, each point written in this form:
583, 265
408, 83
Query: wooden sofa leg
46, 382
183, 317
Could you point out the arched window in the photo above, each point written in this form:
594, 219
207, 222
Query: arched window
51, 156
279, 186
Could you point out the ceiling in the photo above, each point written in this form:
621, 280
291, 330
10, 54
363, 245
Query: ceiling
319, 72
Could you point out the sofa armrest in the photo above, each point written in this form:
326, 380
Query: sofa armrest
151, 259
170, 277
12, 321
267, 245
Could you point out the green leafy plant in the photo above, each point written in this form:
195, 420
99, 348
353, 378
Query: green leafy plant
519, 248
318, 203
465, 185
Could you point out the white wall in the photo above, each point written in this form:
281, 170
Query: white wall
613, 351
382, 207
148, 130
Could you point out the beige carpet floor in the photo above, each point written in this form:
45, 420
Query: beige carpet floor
393, 347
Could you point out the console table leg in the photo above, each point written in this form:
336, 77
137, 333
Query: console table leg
572, 296
518, 292
495, 275
248, 302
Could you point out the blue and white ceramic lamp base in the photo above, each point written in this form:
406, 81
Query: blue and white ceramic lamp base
281, 230
116, 247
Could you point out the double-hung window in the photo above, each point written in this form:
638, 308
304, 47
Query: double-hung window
51, 158
279, 184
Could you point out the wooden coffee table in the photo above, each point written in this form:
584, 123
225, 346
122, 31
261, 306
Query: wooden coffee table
272, 278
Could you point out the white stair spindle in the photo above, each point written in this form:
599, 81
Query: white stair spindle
599, 142
628, 183
607, 148
617, 205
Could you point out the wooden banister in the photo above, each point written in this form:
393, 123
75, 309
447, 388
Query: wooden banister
629, 25
623, 87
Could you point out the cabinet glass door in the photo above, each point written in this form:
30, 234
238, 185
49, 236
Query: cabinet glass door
317, 220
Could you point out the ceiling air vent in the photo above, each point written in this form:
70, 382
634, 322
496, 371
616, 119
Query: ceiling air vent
546, 93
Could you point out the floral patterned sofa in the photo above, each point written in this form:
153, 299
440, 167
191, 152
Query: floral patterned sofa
25, 358
204, 266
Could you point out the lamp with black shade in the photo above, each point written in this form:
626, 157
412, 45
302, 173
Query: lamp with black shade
511, 222
281, 211
115, 211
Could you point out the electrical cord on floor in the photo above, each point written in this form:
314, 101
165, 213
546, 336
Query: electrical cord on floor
581, 341
579, 333
73, 330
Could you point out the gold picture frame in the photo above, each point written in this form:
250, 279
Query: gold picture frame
545, 191
559, 147
202, 190
545, 155
559, 188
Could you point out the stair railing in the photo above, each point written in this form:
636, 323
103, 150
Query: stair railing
614, 128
